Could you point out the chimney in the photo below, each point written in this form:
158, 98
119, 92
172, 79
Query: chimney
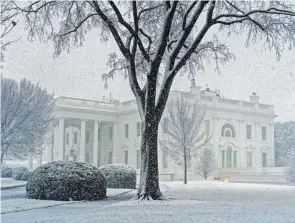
254, 98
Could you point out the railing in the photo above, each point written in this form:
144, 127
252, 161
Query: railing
248, 104
88, 103
228, 101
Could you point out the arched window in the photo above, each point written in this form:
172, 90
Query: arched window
228, 131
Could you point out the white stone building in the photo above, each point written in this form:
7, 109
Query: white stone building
108, 131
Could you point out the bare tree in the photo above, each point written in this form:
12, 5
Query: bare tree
183, 132
156, 37
26, 116
8, 22
206, 163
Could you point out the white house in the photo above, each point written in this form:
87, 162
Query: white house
108, 131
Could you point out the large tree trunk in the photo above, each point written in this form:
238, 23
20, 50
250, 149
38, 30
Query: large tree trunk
149, 173
185, 170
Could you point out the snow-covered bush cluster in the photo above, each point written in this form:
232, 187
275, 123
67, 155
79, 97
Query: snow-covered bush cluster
290, 171
119, 176
26, 175
18, 172
6, 172
67, 180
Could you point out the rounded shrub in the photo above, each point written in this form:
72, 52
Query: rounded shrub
66, 180
26, 175
119, 176
18, 172
6, 172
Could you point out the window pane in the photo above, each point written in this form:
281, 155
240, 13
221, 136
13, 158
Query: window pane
249, 159
249, 131
264, 159
126, 157
227, 133
138, 129
263, 129
126, 131
138, 159
110, 157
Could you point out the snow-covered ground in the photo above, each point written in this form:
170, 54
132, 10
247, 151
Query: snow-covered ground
196, 202
9, 183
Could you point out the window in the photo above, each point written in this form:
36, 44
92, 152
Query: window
165, 159
138, 129
249, 131
223, 158
87, 136
264, 159
263, 133
228, 131
67, 138
127, 131
249, 159
207, 126
110, 157
126, 157
235, 158
75, 137
138, 159
98, 135
229, 157
165, 125
110, 133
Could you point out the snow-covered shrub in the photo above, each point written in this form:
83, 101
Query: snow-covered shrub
290, 171
66, 180
27, 174
119, 175
6, 172
18, 172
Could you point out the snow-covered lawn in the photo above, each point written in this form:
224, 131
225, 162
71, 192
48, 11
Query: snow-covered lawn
9, 183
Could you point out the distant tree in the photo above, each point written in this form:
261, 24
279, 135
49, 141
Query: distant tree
284, 142
156, 37
183, 132
26, 117
8, 23
206, 163
290, 171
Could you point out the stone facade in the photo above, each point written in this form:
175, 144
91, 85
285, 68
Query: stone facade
242, 133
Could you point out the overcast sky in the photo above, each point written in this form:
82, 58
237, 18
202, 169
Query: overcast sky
78, 73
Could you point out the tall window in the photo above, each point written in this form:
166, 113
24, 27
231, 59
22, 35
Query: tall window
264, 159
126, 157
126, 130
263, 133
138, 159
67, 138
228, 131
165, 159
249, 159
229, 157
98, 134
87, 136
235, 158
223, 158
138, 129
165, 125
249, 131
110, 133
75, 137
110, 157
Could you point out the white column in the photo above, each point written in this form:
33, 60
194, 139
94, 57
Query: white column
61, 137
82, 141
30, 161
95, 143
115, 142
102, 157
50, 148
